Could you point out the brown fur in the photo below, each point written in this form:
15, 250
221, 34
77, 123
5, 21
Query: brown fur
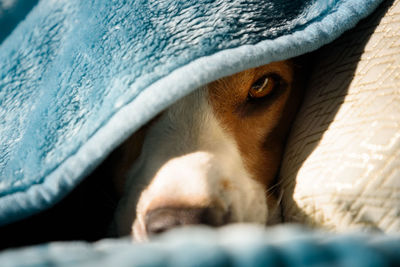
259, 126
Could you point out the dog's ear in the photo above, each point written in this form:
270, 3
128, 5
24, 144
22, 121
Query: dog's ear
305, 61
119, 162
303, 66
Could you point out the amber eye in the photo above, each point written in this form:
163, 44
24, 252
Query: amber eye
262, 87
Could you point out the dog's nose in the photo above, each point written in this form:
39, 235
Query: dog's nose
162, 219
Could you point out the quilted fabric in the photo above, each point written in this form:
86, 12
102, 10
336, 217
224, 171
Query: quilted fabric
342, 167
78, 77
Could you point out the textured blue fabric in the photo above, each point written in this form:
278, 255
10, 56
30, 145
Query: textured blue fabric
78, 77
232, 246
11, 13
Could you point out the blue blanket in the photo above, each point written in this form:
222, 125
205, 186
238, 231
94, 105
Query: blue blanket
233, 246
78, 77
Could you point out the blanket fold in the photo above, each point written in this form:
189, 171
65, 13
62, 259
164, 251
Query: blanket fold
78, 77
238, 245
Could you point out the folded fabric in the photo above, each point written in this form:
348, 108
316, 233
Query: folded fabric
341, 169
237, 245
12, 12
78, 77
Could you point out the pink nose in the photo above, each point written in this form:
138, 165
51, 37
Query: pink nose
162, 219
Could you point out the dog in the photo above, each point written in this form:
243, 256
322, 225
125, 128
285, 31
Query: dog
212, 157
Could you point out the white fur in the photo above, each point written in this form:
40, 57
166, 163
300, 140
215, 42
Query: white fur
186, 155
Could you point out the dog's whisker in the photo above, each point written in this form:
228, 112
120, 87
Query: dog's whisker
271, 190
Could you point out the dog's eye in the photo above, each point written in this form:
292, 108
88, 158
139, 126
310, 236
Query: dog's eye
262, 87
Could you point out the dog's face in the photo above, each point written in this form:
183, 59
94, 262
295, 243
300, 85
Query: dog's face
210, 158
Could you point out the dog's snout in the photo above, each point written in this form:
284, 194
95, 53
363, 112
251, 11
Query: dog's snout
162, 219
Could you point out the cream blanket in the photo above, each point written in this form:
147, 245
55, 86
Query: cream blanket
342, 167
